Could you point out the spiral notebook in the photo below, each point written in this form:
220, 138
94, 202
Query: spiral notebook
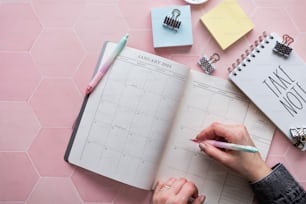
275, 83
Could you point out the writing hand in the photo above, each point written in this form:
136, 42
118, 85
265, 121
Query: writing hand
249, 165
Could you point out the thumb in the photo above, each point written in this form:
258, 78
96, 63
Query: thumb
213, 152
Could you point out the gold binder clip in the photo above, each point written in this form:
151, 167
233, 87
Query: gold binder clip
299, 136
173, 22
206, 64
282, 48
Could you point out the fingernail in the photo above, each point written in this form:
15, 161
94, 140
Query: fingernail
202, 146
202, 198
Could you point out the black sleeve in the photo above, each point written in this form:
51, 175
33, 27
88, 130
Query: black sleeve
279, 187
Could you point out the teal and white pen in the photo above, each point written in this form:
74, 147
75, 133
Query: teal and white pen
231, 146
106, 65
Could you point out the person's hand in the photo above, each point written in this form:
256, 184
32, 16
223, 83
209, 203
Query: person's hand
249, 165
176, 191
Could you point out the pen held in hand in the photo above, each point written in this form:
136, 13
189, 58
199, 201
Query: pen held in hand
231, 146
106, 65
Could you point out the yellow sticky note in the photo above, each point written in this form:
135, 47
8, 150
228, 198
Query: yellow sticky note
227, 23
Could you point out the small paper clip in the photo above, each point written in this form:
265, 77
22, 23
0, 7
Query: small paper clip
299, 136
206, 64
173, 22
283, 48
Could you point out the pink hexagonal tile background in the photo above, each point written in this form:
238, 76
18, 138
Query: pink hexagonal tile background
47, 152
97, 24
18, 126
54, 190
95, 188
18, 32
54, 13
48, 51
18, 67
56, 102
57, 52
18, 176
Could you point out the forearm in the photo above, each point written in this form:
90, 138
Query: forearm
279, 187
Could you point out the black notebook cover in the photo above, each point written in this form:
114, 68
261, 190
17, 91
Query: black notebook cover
79, 117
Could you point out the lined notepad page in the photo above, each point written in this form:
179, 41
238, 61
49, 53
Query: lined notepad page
208, 99
128, 116
227, 23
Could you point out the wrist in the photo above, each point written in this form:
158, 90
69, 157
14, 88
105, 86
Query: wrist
260, 171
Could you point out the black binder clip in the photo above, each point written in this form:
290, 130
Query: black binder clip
206, 64
173, 22
283, 48
299, 137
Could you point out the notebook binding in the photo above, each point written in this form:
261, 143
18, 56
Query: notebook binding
250, 53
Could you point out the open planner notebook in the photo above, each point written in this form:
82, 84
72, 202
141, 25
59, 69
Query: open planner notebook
136, 126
